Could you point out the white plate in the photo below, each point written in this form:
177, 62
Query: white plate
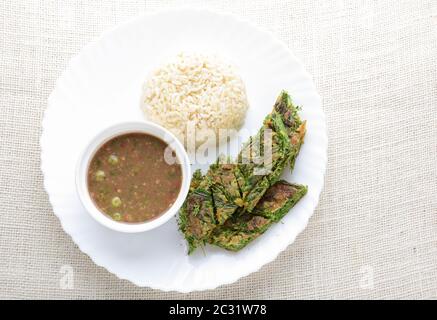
102, 86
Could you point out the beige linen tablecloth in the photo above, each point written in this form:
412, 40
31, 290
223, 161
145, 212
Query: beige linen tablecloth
374, 233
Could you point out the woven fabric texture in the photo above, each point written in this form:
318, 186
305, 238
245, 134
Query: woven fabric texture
374, 233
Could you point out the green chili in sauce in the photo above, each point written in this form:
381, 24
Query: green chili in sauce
129, 179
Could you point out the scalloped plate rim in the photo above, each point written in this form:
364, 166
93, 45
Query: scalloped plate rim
249, 269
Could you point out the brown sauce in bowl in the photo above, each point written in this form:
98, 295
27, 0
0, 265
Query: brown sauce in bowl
129, 179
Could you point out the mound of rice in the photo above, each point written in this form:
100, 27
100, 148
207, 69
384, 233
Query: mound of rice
196, 91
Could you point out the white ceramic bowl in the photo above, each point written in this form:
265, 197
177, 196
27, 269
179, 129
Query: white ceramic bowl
106, 135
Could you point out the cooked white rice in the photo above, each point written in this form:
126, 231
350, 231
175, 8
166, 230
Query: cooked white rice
195, 90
